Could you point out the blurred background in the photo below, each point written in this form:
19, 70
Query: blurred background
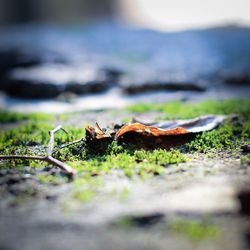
84, 54
157, 14
56, 11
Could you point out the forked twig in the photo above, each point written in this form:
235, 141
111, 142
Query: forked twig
49, 158
52, 138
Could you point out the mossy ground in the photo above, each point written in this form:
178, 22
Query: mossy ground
196, 230
32, 138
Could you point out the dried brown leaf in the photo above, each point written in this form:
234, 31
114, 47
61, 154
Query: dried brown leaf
166, 134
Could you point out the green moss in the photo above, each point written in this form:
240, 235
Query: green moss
51, 179
7, 116
11, 117
139, 162
124, 194
194, 229
222, 138
245, 159
24, 196
85, 188
229, 136
175, 110
32, 139
160, 156
124, 222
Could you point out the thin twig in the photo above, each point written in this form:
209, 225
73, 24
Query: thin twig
52, 138
63, 166
66, 168
70, 143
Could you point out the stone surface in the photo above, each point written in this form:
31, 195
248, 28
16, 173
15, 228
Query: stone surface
245, 149
51, 80
244, 198
140, 84
21, 56
240, 78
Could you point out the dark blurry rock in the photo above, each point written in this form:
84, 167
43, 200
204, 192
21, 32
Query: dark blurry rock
241, 78
244, 199
27, 57
145, 220
113, 74
51, 80
11, 178
247, 239
3, 172
140, 85
28, 189
51, 197
245, 148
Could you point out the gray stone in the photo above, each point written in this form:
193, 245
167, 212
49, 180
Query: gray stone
51, 80
238, 78
27, 57
148, 83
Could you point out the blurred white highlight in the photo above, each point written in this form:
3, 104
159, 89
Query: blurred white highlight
185, 14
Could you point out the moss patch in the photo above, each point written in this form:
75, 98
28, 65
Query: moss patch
229, 136
139, 162
34, 133
177, 109
7, 117
51, 179
194, 229
245, 160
